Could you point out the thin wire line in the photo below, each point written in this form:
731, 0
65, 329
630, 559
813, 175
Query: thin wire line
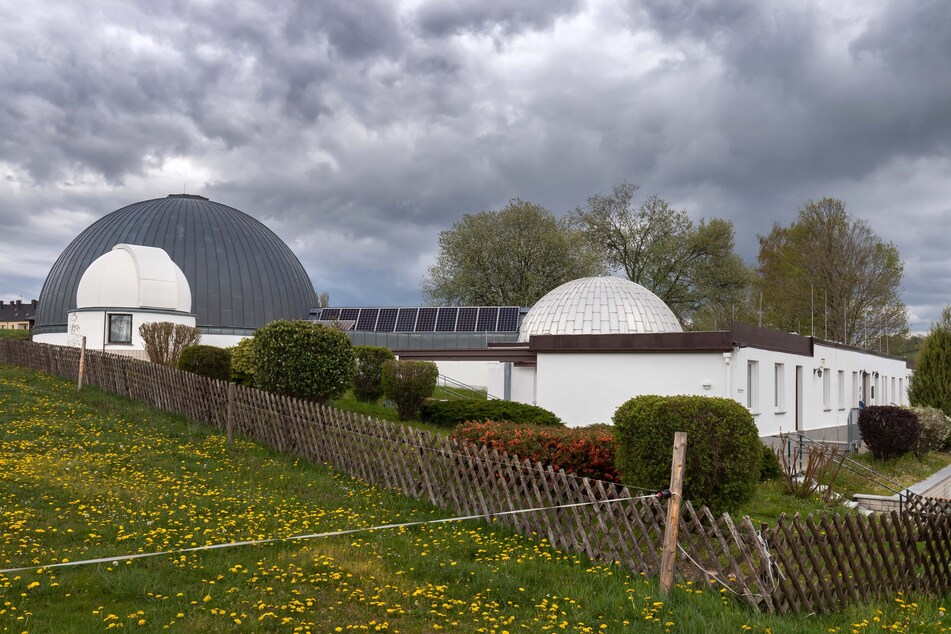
349, 531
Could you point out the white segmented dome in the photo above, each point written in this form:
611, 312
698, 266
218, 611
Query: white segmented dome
134, 276
598, 306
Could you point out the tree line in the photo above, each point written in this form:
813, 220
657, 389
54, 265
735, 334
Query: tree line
826, 273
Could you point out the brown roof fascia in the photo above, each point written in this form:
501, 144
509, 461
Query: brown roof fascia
770, 339
519, 356
640, 342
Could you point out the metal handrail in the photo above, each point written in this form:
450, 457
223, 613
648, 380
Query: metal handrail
448, 382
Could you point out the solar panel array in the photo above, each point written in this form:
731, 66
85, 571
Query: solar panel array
426, 318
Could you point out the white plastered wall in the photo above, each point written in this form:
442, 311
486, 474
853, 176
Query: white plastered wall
93, 324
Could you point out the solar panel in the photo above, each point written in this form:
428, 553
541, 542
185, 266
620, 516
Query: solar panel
387, 319
329, 314
349, 314
446, 321
427, 320
488, 317
508, 319
406, 320
367, 319
467, 319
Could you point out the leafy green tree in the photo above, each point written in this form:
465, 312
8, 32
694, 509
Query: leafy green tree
368, 380
930, 385
508, 257
692, 267
828, 274
303, 359
408, 384
242, 362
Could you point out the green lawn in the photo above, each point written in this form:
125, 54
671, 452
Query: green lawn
93, 475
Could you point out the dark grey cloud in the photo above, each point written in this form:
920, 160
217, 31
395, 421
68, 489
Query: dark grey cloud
359, 130
453, 17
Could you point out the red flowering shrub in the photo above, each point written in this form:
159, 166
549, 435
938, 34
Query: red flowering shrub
583, 451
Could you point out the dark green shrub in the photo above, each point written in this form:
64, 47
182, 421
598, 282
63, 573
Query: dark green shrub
583, 451
724, 452
408, 384
889, 431
210, 361
452, 413
242, 362
368, 380
769, 468
303, 359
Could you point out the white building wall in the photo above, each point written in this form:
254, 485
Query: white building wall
586, 388
474, 373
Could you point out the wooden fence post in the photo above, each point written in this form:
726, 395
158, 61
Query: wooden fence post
229, 420
82, 365
673, 514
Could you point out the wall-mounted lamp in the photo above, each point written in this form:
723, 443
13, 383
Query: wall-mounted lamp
817, 372
707, 384
875, 375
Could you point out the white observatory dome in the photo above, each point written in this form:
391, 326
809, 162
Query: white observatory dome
134, 276
598, 306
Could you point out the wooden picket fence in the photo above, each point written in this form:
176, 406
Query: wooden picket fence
799, 564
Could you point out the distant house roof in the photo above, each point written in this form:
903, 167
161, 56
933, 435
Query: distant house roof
17, 311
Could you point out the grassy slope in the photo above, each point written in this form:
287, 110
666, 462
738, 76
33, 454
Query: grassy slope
96, 476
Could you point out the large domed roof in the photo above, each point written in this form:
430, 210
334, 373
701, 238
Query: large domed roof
241, 274
598, 306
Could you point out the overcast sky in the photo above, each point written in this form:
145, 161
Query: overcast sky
358, 130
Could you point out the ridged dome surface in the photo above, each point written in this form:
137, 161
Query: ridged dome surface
241, 275
598, 306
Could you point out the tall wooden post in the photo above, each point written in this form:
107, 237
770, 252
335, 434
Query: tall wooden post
229, 418
673, 514
82, 365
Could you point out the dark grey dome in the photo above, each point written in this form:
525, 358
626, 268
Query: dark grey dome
241, 274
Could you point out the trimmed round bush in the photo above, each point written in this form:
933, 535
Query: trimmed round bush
408, 384
368, 380
210, 361
724, 451
452, 413
889, 431
584, 451
242, 362
304, 360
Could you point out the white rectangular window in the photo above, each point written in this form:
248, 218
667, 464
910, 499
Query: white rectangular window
895, 395
752, 386
841, 389
826, 390
854, 401
901, 391
779, 387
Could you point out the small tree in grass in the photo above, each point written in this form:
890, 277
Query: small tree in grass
930, 385
164, 341
303, 359
368, 380
724, 452
408, 384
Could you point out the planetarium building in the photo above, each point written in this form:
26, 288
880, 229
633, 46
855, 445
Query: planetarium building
237, 275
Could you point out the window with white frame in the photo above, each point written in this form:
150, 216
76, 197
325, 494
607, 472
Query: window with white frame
752, 386
854, 401
827, 390
901, 391
841, 389
779, 389
120, 328
895, 395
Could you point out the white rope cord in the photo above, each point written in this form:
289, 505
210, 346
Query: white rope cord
255, 542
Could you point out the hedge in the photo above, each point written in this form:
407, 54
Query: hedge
368, 380
210, 361
408, 384
452, 413
889, 431
583, 451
